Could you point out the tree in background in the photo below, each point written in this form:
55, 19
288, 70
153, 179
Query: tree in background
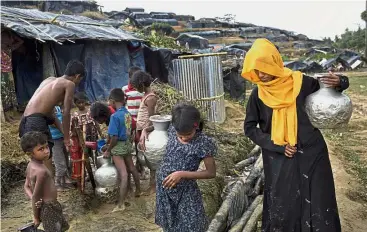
229, 18
327, 40
163, 28
354, 40
364, 18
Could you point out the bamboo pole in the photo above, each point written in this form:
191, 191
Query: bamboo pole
257, 188
2, 111
252, 222
365, 37
52, 38
246, 216
220, 220
244, 163
84, 156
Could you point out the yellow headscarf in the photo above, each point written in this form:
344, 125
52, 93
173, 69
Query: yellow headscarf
279, 94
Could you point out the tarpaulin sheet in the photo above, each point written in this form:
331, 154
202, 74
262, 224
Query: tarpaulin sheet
36, 24
73, 6
234, 84
172, 22
107, 65
27, 70
137, 59
66, 53
157, 62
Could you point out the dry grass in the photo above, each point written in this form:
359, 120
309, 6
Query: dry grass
291, 52
177, 28
284, 45
349, 142
198, 29
227, 40
93, 15
182, 24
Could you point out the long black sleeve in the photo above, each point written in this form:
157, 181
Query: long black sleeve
344, 83
250, 126
311, 85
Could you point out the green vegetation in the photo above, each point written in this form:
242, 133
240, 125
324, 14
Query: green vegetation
285, 58
358, 85
354, 40
159, 40
162, 41
321, 56
162, 28
364, 15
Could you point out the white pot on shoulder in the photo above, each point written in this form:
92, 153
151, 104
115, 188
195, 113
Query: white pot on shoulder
328, 108
157, 139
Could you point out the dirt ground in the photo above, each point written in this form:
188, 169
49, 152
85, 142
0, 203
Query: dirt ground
347, 155
349, 159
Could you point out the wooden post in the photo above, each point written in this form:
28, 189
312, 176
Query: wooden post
85, 160
2, 111
365, 37
48, 62
83, 157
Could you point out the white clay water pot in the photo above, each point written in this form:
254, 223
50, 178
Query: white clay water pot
328, 108
157, 139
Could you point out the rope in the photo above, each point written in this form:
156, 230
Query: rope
210, 98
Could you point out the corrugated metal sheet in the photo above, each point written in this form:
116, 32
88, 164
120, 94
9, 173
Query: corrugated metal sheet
201, 79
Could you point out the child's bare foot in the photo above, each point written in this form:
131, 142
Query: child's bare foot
129, 194
69, 181
60, 184
119, 208
144, 175
60, 188
138, 193
149, 191
9, 118
69, 186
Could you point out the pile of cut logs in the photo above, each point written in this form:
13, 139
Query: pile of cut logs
242, 198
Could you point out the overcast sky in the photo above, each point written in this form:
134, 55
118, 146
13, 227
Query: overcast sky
316, 19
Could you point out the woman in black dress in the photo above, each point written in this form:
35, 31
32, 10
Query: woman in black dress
299, 193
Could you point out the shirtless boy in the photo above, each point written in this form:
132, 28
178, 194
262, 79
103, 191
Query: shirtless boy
39, 112
39, 185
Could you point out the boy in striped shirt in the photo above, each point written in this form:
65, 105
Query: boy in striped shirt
133, 99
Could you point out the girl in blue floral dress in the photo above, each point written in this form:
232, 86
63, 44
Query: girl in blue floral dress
179, 205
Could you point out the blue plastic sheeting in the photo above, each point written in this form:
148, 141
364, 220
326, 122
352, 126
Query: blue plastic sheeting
27, 70
66, 53
107, 68
137, 59
107, 65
